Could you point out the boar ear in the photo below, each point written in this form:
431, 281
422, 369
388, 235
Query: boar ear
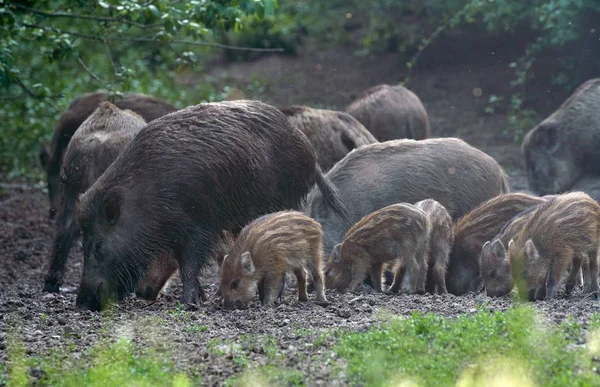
548, 138
44, 157
530, 250
111, 206
224, 258
247, 263
335, 254
485, 247
498, 250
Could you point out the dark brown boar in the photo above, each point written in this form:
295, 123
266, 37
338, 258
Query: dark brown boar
181, 181
391, 112
563, 231
265, 250
564, 147
148, 107
395, 235
332, 134
93, 147
471, 231
439, 246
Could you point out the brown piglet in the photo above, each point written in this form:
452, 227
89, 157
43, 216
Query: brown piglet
563, 231
264, 251
440, 244
397, 234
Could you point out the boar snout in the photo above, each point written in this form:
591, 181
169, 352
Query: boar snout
94, 296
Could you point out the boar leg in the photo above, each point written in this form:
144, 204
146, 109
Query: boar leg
439, 278
376, 277
319, 281
301, 276
400, 272
191, 258
573, 274
593, 260
261, 291
431, 280
421, 268
66, 232
270, 291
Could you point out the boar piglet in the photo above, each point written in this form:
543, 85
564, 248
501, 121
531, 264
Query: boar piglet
440, 244
398, 235
563, 231
264, 251
471, 231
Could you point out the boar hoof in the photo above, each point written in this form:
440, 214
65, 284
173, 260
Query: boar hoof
51, 286
322, 302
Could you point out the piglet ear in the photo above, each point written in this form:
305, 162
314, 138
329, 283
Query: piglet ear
336, 253
111, 206
224, 259
498, 250
247, 264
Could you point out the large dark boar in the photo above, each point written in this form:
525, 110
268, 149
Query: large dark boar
373, 176
181, 181
93, 147
562, 232
475, 228
264, 251
564, 147
396, 235
391, 112
332, 134
78, 111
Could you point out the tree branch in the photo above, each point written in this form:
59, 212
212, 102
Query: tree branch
94, 76
84, 17
150, 40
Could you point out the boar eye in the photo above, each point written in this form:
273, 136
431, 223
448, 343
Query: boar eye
234, 284
97, 248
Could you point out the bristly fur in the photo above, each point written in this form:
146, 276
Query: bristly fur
192, 173
475, 228
333, 134
391, 112
564, 147
373, 176
148, 107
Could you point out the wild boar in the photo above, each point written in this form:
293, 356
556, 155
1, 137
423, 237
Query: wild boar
391, 112
561, 232
563, 147
474, 229
439, 245
395, 235
78, 111
448, 170
332, 134
181, 181
264, 251
93, 147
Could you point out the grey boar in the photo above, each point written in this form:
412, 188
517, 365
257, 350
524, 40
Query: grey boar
264, 251
563, 147
562, 232
448, 170
93, 147
181, 181
78, 111
471, 231
391, 112
439, 246
332, 134
396, 235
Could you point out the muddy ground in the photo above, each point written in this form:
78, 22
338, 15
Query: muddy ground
201, 339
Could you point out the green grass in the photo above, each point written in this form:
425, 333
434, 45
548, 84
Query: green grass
515, 347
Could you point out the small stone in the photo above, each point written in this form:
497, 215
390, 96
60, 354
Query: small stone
344, 313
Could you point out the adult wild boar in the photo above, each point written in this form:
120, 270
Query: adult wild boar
373, 176
564, 147
78, 111
94, 146
391, 112
332, 134
181, 181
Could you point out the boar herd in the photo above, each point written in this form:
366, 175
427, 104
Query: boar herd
339, 198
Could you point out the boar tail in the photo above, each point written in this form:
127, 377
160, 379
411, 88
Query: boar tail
331, 195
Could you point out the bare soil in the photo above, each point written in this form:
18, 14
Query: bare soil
201, 339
